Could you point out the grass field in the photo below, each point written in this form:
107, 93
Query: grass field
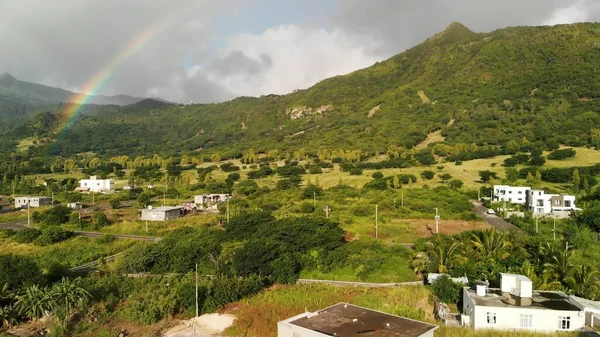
70, 253
259, 314
13, 216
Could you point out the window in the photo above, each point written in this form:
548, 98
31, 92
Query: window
526, 320
540, 202
491, 318
564, 322
509, 192
540, 210
567, 203
520, 192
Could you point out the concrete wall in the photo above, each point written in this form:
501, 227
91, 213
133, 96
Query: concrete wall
97, 185
511, 194
508, 318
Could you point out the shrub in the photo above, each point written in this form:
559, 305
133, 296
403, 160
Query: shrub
99, 220
28, 235
52, 235
115, 203
246, 187
306, 208
458, 162
562, 154
487, 175
356, 171
446, 290
427, 174
455, 183
311, 190
377, 175
315, 169
445, 176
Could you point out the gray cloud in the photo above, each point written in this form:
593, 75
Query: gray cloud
65, 43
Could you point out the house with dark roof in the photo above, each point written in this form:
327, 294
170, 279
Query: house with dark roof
347, 320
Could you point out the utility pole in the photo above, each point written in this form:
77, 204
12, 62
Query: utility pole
196, 289
402, 199
93, 198
478, 193
437, 221
52, 199
314, 199
28, 215
146, 226
537, 230
79, 216
327, 210
376, 224
554, 229
164, 195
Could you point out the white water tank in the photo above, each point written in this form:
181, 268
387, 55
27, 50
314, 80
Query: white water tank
481, 290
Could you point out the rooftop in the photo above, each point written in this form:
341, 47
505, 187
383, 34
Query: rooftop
545, 300
164, 208
346, 320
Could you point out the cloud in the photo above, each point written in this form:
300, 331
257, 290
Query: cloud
65, 43
286, 58
580, 11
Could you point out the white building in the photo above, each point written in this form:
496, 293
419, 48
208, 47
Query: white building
511, 194
432, 277
96, 185
540, 203
207, 200
516, 306
346, 320
21, 202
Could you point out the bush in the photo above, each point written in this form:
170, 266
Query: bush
458, 162
427, 174
232, 178
377, 175
315, 169
306, 208
310, 191
99, 220
17, 271
115, 203
562, 154
455, 183
246, 187
446, 290
28, 235
229, 167
487, 175
52, 235
106, 238
356, 171
445, 176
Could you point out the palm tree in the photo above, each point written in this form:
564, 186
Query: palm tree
68, 296
34, 302
492, 245
559, 267
585, 282
440, 256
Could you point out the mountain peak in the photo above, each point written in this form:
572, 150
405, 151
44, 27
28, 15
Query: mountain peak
455, 32
7, 78
457, 26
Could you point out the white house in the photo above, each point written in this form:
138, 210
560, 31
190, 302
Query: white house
346, 320
21, 202
96, 185
209, 201
516, 306
511, 194
540, 203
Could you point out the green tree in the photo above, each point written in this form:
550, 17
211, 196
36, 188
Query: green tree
538, 176
530, 179
144, 199
446, 290
115, 203
455, 184
396, 182
585, 282
576, 179
99, 220
512, 174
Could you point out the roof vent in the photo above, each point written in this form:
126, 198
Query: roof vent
481, 290
387, 324
355, 320
345, 305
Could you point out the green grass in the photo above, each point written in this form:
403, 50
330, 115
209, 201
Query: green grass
13, 216
70, 253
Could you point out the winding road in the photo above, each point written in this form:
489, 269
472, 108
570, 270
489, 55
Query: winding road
492, 219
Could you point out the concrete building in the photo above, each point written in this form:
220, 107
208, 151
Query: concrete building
21, 202
162, 213
510, 194
4, 206
346, 320
96, 185
210, 199
516, 306
540, 203
75, 205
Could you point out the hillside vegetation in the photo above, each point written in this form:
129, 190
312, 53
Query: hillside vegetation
535, 83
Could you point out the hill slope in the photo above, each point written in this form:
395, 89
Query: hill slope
541, 83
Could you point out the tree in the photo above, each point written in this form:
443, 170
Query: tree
144, 199
356, 171
585, 282
315, 169
377, 175
455, 184
446, 290
576, 180
427, 174
512, 174
99, 220
486, 175
115, 203
538, 176
529, 178
396, 182
246, 187
18, 271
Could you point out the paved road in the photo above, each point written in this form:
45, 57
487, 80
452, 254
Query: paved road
20, 225
494, 220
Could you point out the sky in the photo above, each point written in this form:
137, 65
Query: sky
204, 51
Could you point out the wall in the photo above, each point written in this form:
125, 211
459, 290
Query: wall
508, 318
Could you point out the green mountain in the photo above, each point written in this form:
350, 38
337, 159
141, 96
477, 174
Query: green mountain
538, 83
38, 94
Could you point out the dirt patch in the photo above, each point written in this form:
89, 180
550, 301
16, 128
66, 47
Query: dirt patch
373, 111
423, 97
426, 227
244, 127
205, 325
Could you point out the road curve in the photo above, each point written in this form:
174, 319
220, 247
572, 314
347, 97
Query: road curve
494, 220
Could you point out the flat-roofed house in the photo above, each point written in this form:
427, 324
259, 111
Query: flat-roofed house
516, 306
96, 185
162, 213
347, 320
21, 202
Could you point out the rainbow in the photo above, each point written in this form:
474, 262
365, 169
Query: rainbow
73, 109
